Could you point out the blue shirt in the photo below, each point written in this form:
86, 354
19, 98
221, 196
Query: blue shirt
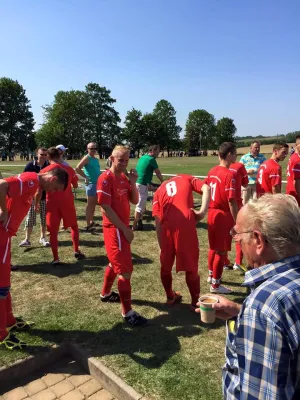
263, 342
254, 163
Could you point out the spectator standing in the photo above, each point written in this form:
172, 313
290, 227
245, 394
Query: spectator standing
293, 172
89, 169
252, 162
263, 334
145, 167
36, 166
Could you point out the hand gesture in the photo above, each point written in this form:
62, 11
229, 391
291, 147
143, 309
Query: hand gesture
198, 214
3, 216
127, 232
133, 175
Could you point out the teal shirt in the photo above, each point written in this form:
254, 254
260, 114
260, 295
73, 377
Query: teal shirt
254, 163
92, 169
145, 167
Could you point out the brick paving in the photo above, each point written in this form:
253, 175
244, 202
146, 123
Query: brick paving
63, 380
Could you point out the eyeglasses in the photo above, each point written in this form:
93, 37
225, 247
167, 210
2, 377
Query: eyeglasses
233, 232
92, 148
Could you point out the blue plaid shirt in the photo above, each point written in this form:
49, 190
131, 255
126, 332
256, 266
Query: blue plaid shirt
263, 342
254, 163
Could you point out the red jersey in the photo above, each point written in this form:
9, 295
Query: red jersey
222, 185
72, 181
293, 173
21, 191
268, 175
241, 178
173, 200
114, 191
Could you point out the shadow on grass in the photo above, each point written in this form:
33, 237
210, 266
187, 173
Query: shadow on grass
82, 242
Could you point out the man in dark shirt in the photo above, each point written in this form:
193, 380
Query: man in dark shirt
30, 222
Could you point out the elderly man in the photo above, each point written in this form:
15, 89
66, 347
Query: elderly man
89, 169
252, 162
263, 335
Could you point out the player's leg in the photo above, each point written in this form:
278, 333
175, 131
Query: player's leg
140, 207
70, 220
211, 240
111, 246
53, 218
167, 258
30, 222
43, 240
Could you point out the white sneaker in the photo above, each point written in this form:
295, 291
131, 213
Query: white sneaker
25, 243
238, 267
209, 279
220, 290
44, 242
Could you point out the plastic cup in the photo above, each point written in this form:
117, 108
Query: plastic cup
207, 313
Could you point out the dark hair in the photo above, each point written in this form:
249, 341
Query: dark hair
280, 145
153, 148
61, 174
297, 137
53, 153
41, 148
225, 149
255, 141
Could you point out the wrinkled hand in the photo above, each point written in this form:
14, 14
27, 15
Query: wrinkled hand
198, 214
225, 308
127, 232
3, 216
133, 175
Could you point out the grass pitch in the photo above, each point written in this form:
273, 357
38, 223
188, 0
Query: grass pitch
175, 357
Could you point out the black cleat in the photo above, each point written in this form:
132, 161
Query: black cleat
136, 319
112, 298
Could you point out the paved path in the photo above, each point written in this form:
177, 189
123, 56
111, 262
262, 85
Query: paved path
63, 380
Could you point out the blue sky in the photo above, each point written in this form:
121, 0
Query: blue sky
234, 58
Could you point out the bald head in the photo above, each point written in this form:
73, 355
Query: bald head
92, 148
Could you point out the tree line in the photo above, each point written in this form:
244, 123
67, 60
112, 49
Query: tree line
76, 117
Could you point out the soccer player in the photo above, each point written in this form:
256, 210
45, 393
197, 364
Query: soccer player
293, 172
60, 206
176, 232
269, 175
16, 195
115, 193
222, 213
241, 180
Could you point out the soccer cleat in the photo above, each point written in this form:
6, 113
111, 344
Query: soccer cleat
11, 342
90, 227
56, 262
44, 242
175, 299
25, 243
79, 256
227, 267
135, 319
220, 290
111, 298
240, 267
139, 226
14, 267
20, 325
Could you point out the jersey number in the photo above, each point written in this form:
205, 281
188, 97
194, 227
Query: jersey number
171, 188
213, 187
260, 175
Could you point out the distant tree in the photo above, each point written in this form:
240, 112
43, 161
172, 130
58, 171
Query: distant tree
200, 130
225, 131
134, 130
291, 136
152, 130
16, 118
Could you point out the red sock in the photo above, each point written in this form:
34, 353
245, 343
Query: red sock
54, 244
218, 269
166, 280
109, 278
193, 282
211, 256
3, 331
75, 238
239, 254
124, 288
10, 319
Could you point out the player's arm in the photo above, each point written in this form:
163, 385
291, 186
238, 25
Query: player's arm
156, 213
115, 220
3, 193
37, 200
159, 175
233, 208
134, 194
79, 167
74, 181
204, 204
158, 230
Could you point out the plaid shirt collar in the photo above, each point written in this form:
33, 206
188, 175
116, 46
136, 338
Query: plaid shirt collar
256, 276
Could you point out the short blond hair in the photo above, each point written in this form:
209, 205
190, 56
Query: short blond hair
119, 148
277, 216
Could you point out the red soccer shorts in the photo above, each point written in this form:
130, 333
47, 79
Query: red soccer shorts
5, 256
219, 224
182, 244
118, 250
57, 212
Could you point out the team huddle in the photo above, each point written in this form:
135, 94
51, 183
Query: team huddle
226, 189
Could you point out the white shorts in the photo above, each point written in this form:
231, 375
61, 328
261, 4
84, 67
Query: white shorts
143, 196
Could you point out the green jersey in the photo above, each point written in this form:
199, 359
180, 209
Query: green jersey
92, 169
145, 167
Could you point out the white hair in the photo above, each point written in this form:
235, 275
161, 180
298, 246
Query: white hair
120, 149
277, 216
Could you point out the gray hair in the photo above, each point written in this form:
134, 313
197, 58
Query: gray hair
277, 216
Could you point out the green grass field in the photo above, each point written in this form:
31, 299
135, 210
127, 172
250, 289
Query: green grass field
175, 357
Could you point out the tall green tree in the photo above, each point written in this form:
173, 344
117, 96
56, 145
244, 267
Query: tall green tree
165, 114
103, 118
225, 131
134, 130
16, 118
199, 130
